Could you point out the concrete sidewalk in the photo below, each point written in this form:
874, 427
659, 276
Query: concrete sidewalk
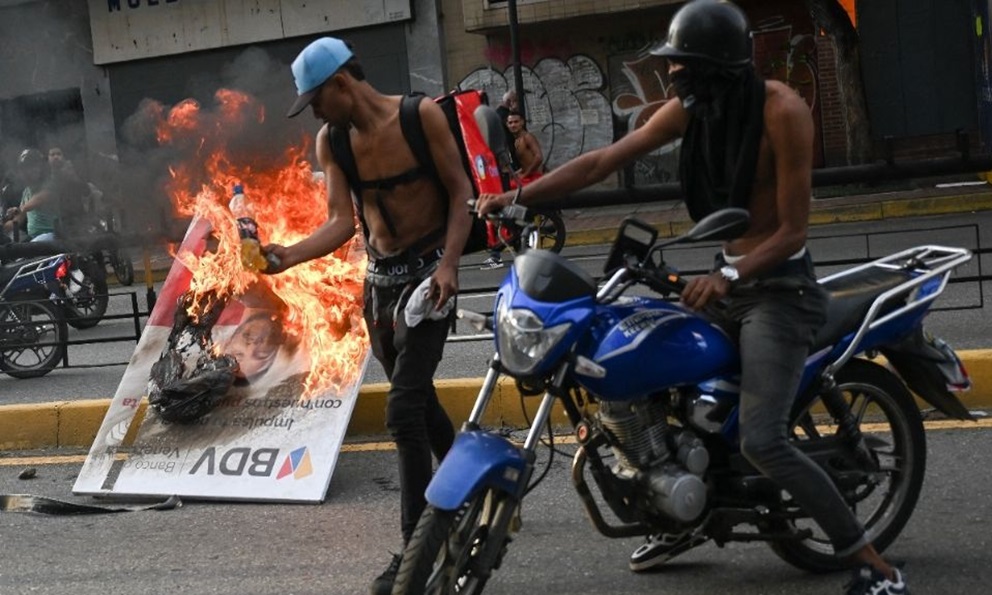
75, 423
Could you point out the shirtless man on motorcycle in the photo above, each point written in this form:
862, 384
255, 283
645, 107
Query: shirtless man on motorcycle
765, 277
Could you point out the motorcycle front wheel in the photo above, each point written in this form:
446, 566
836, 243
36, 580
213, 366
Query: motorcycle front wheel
445, 553
32, 338
884, 498
123, 268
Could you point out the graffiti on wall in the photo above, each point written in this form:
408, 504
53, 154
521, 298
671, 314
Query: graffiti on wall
567, 109
640, 86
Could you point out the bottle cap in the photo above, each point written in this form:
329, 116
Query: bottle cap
239, 189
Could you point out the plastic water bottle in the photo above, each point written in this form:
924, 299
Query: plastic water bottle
252, 256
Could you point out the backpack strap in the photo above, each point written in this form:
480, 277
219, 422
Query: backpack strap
413, 132
341, 149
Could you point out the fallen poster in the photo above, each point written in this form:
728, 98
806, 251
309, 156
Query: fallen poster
242, 384
268, 437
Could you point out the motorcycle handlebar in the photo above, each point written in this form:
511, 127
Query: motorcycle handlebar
662, 280
515, 213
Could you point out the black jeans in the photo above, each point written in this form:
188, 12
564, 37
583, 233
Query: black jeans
775, 318
414, 416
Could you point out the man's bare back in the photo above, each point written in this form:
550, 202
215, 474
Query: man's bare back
765, 207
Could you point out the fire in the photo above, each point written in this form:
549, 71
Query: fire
323, 297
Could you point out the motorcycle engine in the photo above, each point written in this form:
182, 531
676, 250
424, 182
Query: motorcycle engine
667, 462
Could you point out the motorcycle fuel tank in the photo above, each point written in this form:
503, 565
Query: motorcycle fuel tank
646, 345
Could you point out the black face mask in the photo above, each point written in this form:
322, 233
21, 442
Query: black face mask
702, 89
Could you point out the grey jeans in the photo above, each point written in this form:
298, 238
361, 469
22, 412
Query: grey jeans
775, 318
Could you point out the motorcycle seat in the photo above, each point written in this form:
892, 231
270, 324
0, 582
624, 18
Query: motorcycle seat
849, 298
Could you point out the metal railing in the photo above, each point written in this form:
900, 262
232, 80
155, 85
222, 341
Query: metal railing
138, 316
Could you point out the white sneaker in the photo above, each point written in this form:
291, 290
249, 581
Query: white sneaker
661, 548
491, 263
868, 581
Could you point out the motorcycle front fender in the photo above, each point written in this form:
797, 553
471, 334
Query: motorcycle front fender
476, 459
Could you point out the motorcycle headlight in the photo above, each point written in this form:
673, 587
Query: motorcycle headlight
523, 339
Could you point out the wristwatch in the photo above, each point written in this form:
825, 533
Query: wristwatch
729, 272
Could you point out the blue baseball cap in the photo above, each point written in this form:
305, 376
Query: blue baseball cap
315, 64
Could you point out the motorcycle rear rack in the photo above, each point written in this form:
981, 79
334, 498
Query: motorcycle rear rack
934, 261
35, 269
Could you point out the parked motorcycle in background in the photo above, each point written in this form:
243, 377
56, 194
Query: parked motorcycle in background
33, 331
116, 255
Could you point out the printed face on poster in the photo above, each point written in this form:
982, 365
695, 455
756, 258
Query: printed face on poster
273, 435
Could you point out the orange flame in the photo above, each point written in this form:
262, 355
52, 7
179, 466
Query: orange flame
323, 297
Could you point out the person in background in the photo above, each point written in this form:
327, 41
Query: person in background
508, 104
415, 231
746, 143
529, 167
529, 156
39, 205
76, 197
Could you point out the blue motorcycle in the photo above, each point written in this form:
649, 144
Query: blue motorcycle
660, 440
33, 331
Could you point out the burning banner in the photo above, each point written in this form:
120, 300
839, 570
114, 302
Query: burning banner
250, 379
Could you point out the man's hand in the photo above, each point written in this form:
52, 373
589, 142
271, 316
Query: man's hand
282, 252
489, 203
702, 291
444, 285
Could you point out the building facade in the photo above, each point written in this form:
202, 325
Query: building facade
76, 73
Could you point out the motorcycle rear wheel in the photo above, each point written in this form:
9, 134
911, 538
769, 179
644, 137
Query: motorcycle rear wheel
442, 557
86, 308
32, 338
893, 430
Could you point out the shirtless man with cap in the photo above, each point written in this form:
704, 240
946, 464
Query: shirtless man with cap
415, 230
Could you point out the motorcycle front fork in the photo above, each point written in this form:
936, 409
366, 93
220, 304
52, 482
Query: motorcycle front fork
474, 421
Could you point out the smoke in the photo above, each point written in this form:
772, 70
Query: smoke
252, 135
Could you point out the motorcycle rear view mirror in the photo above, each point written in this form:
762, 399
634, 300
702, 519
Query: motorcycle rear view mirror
634, 241
725, 224
493, 133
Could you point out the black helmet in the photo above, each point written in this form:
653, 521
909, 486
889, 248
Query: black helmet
30, 157
715, 31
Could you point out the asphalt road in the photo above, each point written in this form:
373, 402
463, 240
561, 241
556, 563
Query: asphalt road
961, 316
338, 547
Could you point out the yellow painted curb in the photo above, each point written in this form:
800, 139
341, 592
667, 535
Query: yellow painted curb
936, 205
75, 423
825, 214
24, 427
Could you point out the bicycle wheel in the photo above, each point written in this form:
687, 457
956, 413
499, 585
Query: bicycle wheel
550, 232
